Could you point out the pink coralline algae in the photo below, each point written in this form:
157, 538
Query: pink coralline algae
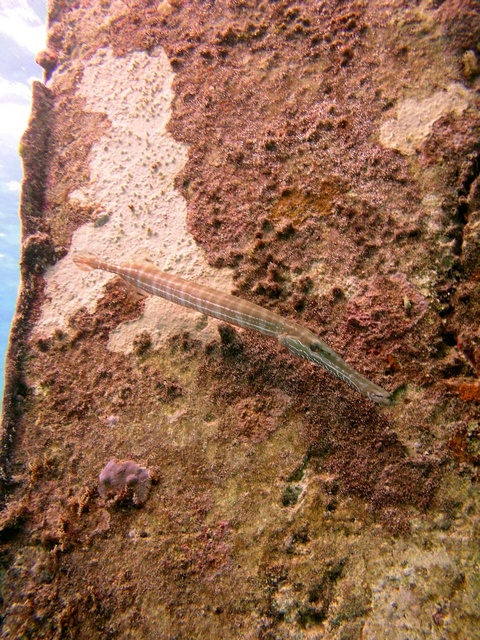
389, 307
124, 479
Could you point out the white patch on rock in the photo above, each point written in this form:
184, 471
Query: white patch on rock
415, 118
132, 172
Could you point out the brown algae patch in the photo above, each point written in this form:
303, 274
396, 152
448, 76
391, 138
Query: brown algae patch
297, 206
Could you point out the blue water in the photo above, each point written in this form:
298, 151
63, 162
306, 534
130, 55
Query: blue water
17, 69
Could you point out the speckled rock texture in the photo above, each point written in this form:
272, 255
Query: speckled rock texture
321, 159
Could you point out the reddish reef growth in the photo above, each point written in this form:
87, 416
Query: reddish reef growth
289, 505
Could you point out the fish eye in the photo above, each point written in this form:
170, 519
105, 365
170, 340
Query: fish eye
321, 348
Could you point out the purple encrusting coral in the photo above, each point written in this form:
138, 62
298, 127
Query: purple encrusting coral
122, 478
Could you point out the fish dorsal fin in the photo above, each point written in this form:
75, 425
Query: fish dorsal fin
138, 293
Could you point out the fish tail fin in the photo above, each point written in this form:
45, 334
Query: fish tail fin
87, 261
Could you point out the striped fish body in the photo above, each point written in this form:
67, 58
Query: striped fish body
241, 313
208, 301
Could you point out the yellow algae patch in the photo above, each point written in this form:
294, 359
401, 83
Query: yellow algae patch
415, 118
297, 206
132, 172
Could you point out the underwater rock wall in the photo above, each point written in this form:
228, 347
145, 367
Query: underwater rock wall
321, 160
